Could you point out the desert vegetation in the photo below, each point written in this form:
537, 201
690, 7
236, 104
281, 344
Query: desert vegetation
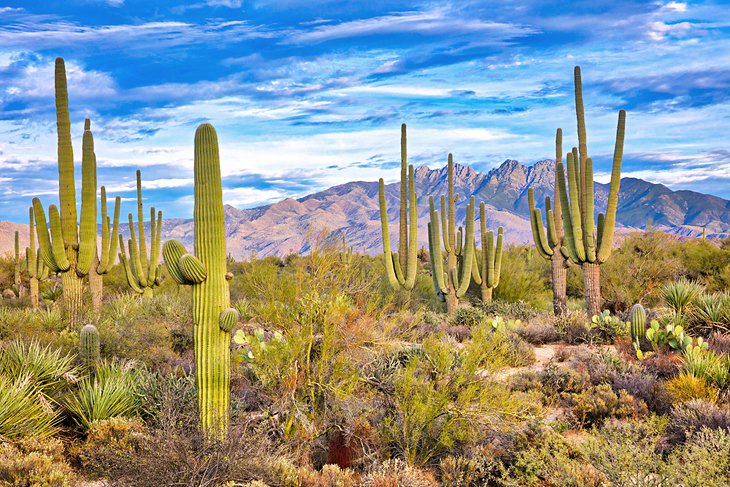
471, 362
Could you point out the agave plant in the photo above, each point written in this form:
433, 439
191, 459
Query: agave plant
713, 311
680, 294
110, 393
24, 411
46, 369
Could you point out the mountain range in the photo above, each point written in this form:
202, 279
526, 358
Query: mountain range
351, 209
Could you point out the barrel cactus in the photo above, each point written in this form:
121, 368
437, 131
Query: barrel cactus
451, 284
587, 243
213, 318
548, 243
142, 271
637, 317
406, 258
89, 347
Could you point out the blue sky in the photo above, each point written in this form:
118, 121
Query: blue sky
306, 95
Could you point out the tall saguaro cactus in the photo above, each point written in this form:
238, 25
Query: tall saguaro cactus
487, 265
37, 270
17, 267
451, 284
143, 271
406, 258
587, 243
100, 266
548, 244
71, 246
206, 272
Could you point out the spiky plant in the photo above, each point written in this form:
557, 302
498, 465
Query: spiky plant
37, 270
213, 318
71, 247
487, 265
100, 266
548, 244
586, 243
406, 258
143, 271
451, 285
680, 295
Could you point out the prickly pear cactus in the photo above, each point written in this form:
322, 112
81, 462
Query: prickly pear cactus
205, 271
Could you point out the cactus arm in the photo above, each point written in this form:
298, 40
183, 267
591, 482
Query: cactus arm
589, 210
87, 227
103, 261
192, 268
538, 231
172, 250
142, 240
436, 276
66, 180
134, 256
228, 319
468, 258
490, 259
582, 140
412, 261
115, 237
557, 208
435, 249
552, 233
30, 252
42, 268
452, 200
459, 241
475, 274
387, 254
154, 246
606, 247
444, 225
601, 223
498, 257
44, 240
568, 248
403, 244
485, 245
575, 211
398, 270
128, 268
59, 251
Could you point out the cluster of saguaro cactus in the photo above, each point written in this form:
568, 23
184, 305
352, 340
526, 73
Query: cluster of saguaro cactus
406, 258
206, 272
143, 271
89, 347
37, 270
586, 243
488, 264
452, 283
549, 244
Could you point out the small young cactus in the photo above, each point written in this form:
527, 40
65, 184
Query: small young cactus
89, 347
637, 317
213, 318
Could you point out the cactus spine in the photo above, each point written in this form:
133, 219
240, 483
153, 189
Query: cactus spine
451, 285
581, 244
487, 265
143, 272
37, 270
637, 317
89, 347
406, 258
71, 246
206, 272
548, 244
17, 267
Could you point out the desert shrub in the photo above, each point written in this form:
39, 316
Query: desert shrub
538, 333
703, 461
110, 393
397, 473
556, 380
598, 403
166, 395
107, 442
24, 412
517, 310
719, 343
684, 387
645, 387
525, 381
492, 348
663, 364
34, 462
694, 415
469, 316
714, 368
706, 263
571, 326
462, 471
525, 281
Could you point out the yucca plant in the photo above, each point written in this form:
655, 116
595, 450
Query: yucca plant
24, 412
48, 369
680, 294
712, 311
110, 393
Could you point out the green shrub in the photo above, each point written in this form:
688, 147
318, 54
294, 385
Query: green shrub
37, 463
704, 461
684, 387
598, 403
693, 416
518, 310
469, 316
397, 473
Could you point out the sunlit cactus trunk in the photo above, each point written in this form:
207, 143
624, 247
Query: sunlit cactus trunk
587, 243
37, 271
206, 273
18, 281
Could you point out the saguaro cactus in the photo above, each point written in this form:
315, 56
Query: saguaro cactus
71, 246
406, 258
89, 346
548, 245
143, 272
18, 266
487, 265
581, 244
452, 284
206, 272
37, 270
100, 267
